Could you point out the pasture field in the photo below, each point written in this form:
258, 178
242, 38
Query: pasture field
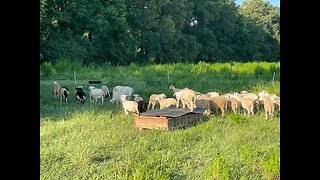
96, 141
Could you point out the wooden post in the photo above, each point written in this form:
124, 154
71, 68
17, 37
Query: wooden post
74, 75
274, 74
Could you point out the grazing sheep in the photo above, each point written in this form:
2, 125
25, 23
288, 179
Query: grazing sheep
174, 89
203, 96
105, 90
120, 90
152, 100
213, 94
247, 104
268, 106
80, 95
276, 101
187, 98
95, 94
254, 97
129, 106
235, 105
219, 102
165, 102
64, 94
263, 93
142, 106
205, 104
56, 89
137, 98
244, 92
272, 96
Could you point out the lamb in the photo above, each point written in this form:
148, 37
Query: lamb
56, 89
129, 106
174, 89
152, 100
268, 106
244, 92
272, 97
165, 102
247, 104
80, 95
63, 93
213, 94
120, 90
137, 98
263, 93
276, 101
105, 90
205, 104
142, 106
234, 104
219, 102
187, 97
95, 94
252, 96
203, 96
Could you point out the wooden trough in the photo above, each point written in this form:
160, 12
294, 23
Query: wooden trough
167, 119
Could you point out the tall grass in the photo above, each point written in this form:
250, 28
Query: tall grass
96, 141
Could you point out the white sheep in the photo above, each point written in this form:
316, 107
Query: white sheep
120, 90
247, 104
56, 89
165, 102
63, 93
213, 94
128, 106
95, 94
153, 101
254, 97
187, 98
235, 105
244, 92
137, 98
174, 89
263, 93
268, 105
105, 90
276, 100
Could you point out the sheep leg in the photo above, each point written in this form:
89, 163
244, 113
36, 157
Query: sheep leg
222, 111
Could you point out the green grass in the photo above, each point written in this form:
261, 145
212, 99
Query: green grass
100, 142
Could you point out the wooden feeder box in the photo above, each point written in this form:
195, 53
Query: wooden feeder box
167, 119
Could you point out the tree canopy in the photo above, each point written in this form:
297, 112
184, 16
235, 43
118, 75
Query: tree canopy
158, 31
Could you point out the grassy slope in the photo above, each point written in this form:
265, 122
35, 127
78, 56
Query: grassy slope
100, 142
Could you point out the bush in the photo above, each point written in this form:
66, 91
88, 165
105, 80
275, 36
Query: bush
46, 69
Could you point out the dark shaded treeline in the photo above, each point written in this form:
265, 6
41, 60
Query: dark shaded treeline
158, 31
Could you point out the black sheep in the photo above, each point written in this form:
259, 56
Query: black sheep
142, 106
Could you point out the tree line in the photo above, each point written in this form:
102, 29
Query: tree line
121, 32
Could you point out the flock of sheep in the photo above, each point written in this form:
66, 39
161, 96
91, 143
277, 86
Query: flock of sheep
244, 101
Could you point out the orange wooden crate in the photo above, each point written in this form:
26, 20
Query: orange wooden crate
167, 119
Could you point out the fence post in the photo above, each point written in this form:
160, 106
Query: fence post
74, 75
274, 74
168, 76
